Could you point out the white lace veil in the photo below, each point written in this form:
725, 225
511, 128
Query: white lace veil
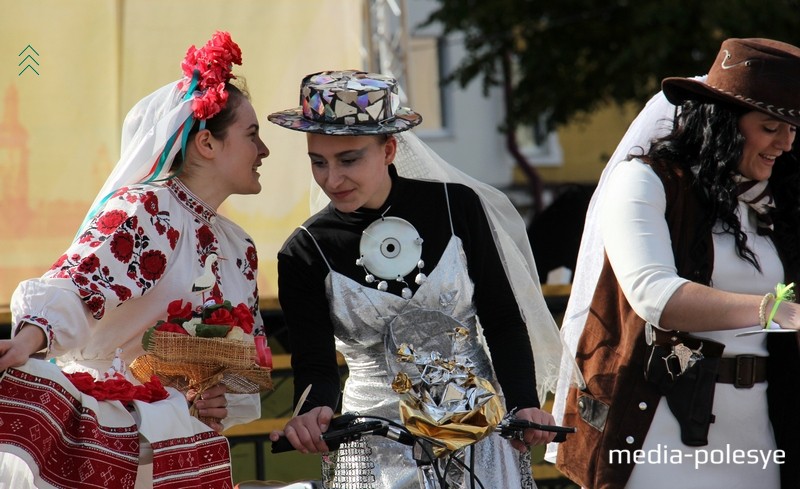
653, 121
149, 125
416, 160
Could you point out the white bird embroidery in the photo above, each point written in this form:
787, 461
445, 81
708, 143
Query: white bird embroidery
207, 279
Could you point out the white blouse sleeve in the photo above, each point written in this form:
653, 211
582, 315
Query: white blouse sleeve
120, 255
637, 239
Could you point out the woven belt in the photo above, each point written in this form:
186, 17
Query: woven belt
742, 370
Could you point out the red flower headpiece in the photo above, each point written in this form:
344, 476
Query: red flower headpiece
213, 63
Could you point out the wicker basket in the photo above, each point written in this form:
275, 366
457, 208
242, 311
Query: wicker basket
185, 362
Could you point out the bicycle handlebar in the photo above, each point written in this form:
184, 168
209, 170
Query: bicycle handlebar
344, 429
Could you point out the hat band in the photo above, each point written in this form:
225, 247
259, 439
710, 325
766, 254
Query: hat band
350, 108
780, 111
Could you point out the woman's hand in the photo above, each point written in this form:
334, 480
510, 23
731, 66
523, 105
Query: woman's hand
304, 431
211, 404
787, 315
17, 350
531, 436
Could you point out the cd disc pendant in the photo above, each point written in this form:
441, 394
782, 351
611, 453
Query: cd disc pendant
390, 248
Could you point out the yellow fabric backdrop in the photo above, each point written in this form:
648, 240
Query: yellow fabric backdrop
59, 130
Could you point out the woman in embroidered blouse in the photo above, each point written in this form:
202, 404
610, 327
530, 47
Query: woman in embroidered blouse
698, 228
143, 245
329, 305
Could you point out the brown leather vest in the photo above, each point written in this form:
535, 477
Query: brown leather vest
616, 408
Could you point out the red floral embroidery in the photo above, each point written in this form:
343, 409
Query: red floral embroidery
96, 304
89, 264
249, 265
150, 202
173, 235
252, 257
152, 264
121, 191
123, 293
205, 237
59, 262
109, 221
122, 246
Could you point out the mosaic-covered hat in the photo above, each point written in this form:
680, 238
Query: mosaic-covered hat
348, 103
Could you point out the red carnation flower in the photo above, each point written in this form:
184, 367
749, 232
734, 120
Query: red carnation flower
243, 318
83, 381
117, 388
178, 310
221, 316
151, 391
171, 328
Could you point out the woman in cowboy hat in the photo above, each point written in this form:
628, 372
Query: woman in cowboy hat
185, 148
689, 350
393, 259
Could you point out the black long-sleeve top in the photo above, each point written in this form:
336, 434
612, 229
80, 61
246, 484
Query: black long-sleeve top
302, 272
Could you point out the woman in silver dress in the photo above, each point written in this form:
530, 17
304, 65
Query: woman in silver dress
342, 290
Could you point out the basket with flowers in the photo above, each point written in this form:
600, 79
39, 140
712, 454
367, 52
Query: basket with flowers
199, 348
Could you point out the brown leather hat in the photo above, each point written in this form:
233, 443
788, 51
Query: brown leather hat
760, 74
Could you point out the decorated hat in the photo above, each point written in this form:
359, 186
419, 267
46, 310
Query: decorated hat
759, 74
348, 103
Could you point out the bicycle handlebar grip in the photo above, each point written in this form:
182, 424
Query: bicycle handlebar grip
282, 445
339, 429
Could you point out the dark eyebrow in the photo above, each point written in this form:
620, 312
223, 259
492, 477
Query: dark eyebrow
351, 153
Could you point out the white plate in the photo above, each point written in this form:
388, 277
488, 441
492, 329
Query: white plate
759, 331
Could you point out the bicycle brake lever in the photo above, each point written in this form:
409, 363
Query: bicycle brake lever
509, 427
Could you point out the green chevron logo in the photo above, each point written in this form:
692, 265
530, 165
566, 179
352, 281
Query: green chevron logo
28, 60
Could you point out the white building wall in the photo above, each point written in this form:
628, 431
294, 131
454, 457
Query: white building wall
469, 139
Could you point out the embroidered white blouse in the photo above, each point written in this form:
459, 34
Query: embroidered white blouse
143, 249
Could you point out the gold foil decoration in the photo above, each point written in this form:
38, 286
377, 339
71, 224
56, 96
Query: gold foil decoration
446, 401
401, 383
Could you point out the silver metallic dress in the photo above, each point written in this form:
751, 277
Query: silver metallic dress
368, 324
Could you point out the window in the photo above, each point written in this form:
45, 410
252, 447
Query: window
425, 91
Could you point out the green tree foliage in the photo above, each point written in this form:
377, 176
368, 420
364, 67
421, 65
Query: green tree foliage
557, 61
571, 56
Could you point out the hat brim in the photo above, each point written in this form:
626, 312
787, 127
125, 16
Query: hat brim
678, 90
404, 120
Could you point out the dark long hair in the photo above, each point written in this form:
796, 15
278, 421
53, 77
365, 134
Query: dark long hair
706, 142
